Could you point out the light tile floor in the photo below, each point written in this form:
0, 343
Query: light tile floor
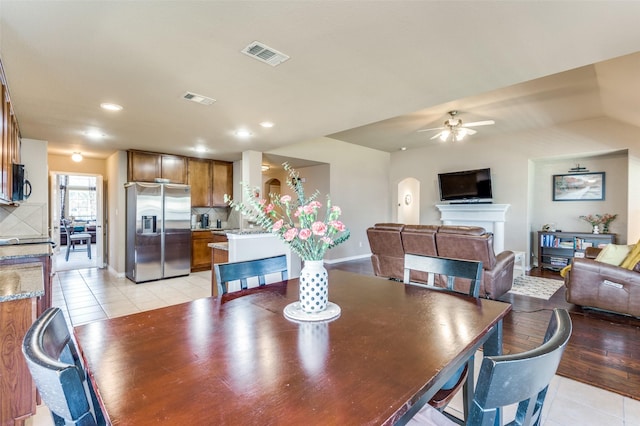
87, 295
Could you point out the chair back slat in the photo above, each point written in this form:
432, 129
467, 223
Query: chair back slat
451, 268
58, 372
521, 378
242, 271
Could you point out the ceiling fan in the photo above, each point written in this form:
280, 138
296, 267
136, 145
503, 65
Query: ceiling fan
454, 129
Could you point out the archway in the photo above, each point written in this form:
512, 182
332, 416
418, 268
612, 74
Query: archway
271, 186
409, 201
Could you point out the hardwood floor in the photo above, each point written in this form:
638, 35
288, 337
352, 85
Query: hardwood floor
604, 349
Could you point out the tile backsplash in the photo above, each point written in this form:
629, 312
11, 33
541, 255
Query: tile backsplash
215, 213
29, 220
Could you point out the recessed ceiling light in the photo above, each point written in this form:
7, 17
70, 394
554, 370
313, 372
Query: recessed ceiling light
266, 124
200, 149
95, 134
111, 107
243, 133
404, 148
77, 157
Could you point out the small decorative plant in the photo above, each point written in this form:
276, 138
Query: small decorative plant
597, 219
297, 222
606, 220
594, 220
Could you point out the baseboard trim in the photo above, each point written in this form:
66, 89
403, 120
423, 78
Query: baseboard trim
346, 259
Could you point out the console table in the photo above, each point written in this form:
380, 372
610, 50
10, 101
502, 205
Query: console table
556, 249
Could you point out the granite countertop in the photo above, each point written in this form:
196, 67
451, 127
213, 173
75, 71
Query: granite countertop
27, 247
247, 231
219, 246
22, 281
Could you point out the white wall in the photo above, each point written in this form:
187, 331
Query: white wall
359, 185
116, 177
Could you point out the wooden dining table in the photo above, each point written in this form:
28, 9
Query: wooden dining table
241, 362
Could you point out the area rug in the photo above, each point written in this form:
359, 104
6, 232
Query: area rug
542, 288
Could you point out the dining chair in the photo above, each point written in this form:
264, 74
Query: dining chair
521, 378
73, 238
451, 269
244, 271
58, 372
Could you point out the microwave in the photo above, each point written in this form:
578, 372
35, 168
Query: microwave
21, 187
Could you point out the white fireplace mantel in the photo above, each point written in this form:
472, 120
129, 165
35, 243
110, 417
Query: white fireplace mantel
489, 216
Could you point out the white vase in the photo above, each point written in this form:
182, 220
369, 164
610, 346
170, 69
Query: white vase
596, 230
314, 286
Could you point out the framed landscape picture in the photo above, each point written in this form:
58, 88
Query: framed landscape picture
578, 187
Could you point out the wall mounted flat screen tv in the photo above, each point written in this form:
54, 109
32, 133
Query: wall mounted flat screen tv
466, 186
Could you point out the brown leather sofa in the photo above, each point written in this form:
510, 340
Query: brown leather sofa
387, 250
390, 241
599, 285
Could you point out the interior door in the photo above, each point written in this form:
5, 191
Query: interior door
55, 181
54, 202
100, 229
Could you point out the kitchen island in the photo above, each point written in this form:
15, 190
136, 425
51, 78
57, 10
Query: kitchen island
249, 244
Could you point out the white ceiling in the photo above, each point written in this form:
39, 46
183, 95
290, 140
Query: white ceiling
359, 70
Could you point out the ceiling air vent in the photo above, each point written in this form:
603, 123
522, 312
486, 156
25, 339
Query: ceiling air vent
194, 97
265, 54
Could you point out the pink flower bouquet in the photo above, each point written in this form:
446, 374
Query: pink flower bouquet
297, 222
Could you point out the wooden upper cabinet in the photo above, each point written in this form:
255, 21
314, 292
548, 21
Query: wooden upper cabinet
222, 182
143, 166
209, 179
147, 166
201, 181
9, 141
174, 168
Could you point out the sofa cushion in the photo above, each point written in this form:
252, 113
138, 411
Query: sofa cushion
468, 243
632, 258
420, 239
613, 254
464, 230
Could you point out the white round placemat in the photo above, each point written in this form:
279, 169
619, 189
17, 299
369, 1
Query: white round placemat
294, 312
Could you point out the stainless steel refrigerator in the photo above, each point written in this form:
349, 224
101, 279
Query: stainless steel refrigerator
158, 227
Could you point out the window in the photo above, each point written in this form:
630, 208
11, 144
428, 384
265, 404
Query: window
82, 203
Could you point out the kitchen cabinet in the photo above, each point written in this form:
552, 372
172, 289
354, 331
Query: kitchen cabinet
147, 166
174, 168
209, 180
25, 292
222, 182
9, 141
200, 250
201, 181
17, 389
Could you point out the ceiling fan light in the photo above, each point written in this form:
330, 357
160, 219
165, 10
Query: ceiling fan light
460, 134
444, 135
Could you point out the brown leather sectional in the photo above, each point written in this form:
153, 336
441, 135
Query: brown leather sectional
600, 285
390, 241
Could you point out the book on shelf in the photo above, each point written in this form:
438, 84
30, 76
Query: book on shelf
558, 261
578, 254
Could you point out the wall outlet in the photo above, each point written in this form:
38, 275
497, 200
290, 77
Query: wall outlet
360, 243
